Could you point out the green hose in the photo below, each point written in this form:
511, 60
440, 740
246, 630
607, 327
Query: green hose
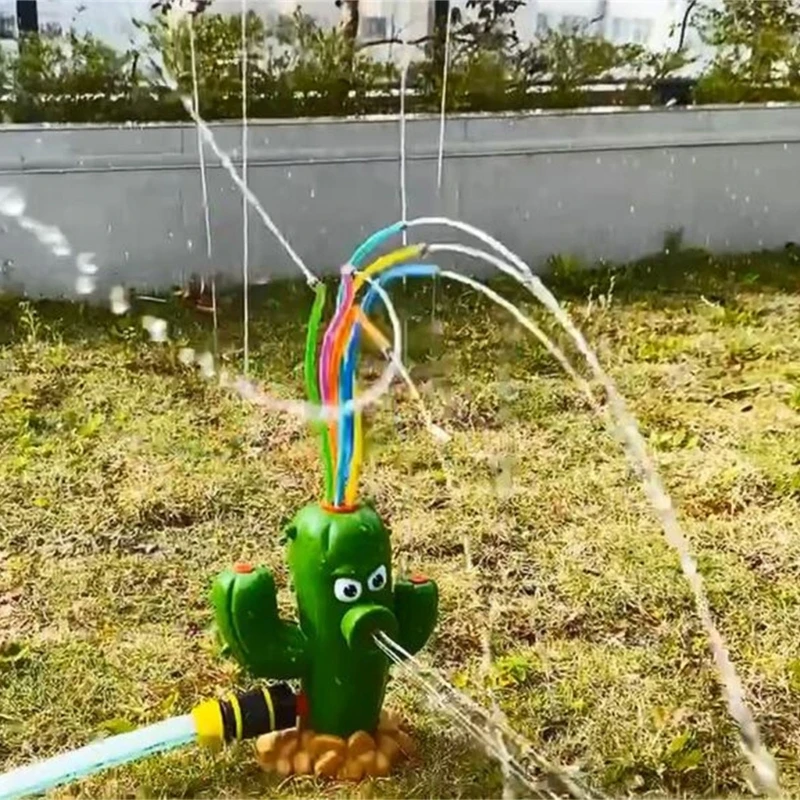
312, 385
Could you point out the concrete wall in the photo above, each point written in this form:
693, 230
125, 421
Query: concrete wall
593, 184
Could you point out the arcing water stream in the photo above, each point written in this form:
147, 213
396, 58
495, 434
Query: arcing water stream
622, 422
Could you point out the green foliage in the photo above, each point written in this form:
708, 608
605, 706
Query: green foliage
79, 79
299, 68
757, 50
573, 59
325, 70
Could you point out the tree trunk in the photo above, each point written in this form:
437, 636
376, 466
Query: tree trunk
441, 12
350, 20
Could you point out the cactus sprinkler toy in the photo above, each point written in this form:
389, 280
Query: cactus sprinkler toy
339, 557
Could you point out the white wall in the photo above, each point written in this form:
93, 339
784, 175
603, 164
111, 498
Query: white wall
597, 186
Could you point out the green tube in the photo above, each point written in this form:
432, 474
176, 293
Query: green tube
312, 387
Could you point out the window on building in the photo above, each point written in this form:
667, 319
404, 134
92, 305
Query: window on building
52, 29
641, 30
542, 23
575, 22
373, 27
8, 26
619, 29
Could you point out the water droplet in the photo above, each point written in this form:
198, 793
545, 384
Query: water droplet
785, 146
747, 198
438, 433
559, 204
119, 300
171, 234
757, 171
85, 263
313, 192
84, 284
734, 196
127, 255
289, 174
186, 355
598, 160
38, 140
189, 244
633, 209
206, 363
526, 216
266, 140
108, 228
156, 327
12, 203
766, 209
672, 159
727, 243
694, 159
760, 242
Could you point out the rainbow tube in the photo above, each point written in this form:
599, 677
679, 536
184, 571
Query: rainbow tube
374, 241
335, 381
349, 439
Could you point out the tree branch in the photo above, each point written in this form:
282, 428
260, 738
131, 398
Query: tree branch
414, 42
689, 8
394, 40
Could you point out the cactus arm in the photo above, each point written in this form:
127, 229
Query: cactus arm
416, 606
246, 616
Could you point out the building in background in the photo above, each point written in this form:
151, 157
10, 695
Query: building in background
654, 23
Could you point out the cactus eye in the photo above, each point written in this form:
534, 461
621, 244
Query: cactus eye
377, 580
347, 590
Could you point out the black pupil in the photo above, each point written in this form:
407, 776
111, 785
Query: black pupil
350, 590
378, 581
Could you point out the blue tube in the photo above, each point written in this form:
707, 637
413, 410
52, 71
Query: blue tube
373, 241
347, 373
44, 775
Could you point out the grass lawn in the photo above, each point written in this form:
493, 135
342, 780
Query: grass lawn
127, 482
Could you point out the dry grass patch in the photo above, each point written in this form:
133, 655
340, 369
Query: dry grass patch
127, 482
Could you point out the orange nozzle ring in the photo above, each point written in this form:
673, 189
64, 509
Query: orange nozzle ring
342, 509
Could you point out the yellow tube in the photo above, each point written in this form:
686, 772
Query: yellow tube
373, 332
209, 724
237, 715
389, 260
351, 490
270, 708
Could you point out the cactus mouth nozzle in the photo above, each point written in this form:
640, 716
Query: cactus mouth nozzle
360, 624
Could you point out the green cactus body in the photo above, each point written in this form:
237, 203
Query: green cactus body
340, 563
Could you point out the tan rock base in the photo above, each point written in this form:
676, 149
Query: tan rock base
303, 752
